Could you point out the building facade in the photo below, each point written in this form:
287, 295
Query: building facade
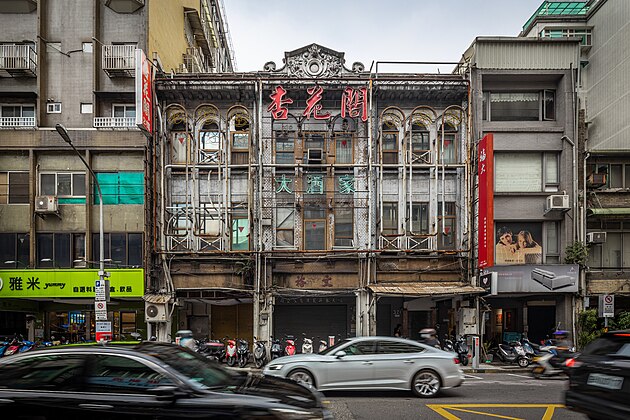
78, 69
316, 198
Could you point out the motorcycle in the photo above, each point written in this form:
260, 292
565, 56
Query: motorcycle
242, 352
12, 347
448, 345
230, 353
307, 346
213, 349
549, 363
323, 346
461, 348
512, 353
276, 348
260, 353
289, 348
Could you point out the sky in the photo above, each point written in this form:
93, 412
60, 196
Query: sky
370, 30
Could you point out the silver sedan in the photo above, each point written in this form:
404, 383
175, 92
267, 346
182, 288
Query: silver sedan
364, 363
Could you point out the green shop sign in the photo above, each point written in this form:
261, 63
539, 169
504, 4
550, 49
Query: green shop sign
60, 283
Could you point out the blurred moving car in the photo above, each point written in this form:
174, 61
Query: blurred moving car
599, 378
144, 381
373, 363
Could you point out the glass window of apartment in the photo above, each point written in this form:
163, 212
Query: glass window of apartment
419, 220
552, 243
522, 106
343, 148
285, 144
314, 227
14, 250
446, 225
447, 148
314, 147
240, 233
614, 253
62, 184
240, 142
420, 143
209, 143
390, 218
344, 227
526, 172
389, 144
14, 188
285, 227
59, 249
123, 111
615, 175
17, 111
119, 249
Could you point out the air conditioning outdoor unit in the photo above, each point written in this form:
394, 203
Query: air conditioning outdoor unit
46, 204
314, 156
596, 180
557, 202
596, 237
155, 312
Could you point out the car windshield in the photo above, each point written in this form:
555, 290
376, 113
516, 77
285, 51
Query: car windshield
195, 367
613, 345
331, 350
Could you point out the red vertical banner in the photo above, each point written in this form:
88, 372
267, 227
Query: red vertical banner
485, 222
144, 95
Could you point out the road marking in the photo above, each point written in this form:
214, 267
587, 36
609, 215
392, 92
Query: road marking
442, 409
520, 376
466, 375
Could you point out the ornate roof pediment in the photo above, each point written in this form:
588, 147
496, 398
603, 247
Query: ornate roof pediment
314, 61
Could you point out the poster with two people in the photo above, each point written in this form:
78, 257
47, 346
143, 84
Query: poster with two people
518, 243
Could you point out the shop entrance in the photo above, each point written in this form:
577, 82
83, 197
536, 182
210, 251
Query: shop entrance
541, 321
233, 321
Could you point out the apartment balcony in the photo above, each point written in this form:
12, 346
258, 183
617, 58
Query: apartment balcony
119, 60
115, 122
18, 60
17, 122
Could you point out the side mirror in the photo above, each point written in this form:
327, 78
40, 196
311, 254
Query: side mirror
166, 393
340, 354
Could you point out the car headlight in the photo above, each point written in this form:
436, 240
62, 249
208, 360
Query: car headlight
296, 413
274, 367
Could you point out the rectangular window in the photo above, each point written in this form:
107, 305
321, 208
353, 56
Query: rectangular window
119, 249
87, 108
314, 227
344, 227
314, 148
59, 250
14, 250
284, 147
526, 172
14, 188
53, 108
420, 144
120, 187
521, 106
240, 148
343, 149
240, 234
390, 218
390, 147
617, 175
448, 153
419, 220
17, 111
552, 243
124, 111
285, 227
446, 226
68, 186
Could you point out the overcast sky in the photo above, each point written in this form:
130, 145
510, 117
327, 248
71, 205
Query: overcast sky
367, 30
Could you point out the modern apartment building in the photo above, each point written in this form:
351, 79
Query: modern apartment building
78, 69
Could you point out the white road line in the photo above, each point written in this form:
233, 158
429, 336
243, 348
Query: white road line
466, 375
520, 376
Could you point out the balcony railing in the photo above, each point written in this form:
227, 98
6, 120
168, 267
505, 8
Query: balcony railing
17, 60
119, 60
114, 122
17, 122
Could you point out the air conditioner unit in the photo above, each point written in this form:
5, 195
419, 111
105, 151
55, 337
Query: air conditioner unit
155, 312
596, 180
558, 202
596, 237
314, 156
46, 204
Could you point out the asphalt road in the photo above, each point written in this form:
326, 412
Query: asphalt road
490, 396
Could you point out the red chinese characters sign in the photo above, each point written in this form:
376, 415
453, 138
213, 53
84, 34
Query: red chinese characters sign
354, 103
144, 95
485, 168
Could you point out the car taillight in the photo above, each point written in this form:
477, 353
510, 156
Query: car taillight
571, 363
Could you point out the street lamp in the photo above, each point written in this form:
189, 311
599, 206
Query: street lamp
101, 272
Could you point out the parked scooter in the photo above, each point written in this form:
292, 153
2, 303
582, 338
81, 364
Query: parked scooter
307, 345
242, 352
260, 353
289, 348
230, 353
213, 349
276, 348
461, 348
12, 347
512, 353
323, 346
448, 345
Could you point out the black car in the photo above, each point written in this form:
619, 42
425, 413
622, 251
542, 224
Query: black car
599, 378
143, 381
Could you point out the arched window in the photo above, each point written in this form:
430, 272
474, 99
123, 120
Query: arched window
420, 144
447, 147
209, 143
240, 140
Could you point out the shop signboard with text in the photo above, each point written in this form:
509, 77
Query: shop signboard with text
70, 283
556, 278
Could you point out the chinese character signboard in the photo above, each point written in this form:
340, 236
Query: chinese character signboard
486, 200
62, 283
144, 93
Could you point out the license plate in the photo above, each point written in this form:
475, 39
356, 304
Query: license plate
604, 381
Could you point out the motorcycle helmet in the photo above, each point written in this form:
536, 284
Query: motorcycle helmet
426, 333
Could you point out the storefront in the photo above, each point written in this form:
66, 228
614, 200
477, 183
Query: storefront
58, 304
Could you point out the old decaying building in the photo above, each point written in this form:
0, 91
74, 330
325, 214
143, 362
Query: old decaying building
315, 198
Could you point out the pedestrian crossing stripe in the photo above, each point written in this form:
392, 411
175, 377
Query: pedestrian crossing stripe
444, 410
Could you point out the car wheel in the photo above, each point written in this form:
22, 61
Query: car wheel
426, 384
523, 362
303, 377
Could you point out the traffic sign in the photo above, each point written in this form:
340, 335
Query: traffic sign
100, 310
101, 290
103, 331
607, 306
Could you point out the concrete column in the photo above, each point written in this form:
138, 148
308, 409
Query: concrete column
365, 315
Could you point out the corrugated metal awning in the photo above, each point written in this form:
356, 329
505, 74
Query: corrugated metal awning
425, 289
615, 211
156, 298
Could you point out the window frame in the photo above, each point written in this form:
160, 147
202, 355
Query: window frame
107, 253
310, 220
340, 237
288, 137
290, 217
598, 252
55, 256
425, 216
450, 219
20, 256
545, 185
544, 113
21, 106
420, 153
236, 218
390, 154
125, 107
5, 189
340, 136
72, 183
389, 230
453, 135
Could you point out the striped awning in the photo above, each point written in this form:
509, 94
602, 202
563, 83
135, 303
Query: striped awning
156, 298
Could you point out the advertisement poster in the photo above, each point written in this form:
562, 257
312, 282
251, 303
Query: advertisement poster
518, 243
557, 278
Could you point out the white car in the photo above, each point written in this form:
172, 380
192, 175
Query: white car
364, 363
